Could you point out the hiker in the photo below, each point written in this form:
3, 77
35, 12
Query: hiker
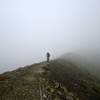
48, 56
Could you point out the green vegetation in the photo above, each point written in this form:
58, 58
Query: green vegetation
57, 80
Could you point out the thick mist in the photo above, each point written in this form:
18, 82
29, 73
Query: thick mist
30, 28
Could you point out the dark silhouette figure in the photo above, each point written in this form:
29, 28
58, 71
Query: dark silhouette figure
48, 56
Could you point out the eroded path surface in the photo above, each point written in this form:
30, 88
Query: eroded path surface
22, 84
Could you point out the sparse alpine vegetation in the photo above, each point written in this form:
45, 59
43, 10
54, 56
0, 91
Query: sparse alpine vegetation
58, 80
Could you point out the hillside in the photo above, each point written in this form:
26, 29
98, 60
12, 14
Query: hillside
89, 62
58, 80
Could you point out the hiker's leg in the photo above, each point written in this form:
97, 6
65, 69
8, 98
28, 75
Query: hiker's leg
47, 59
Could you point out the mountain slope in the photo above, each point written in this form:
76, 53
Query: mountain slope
57, 80
76, 80
89, 62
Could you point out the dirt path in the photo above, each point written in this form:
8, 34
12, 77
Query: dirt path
22, 84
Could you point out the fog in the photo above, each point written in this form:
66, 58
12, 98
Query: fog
30, 28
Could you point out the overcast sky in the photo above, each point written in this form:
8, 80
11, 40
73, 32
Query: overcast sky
30, 28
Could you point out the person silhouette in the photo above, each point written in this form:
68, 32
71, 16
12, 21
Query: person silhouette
48, 56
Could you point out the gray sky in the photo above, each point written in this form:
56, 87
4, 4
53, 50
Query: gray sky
30, 28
